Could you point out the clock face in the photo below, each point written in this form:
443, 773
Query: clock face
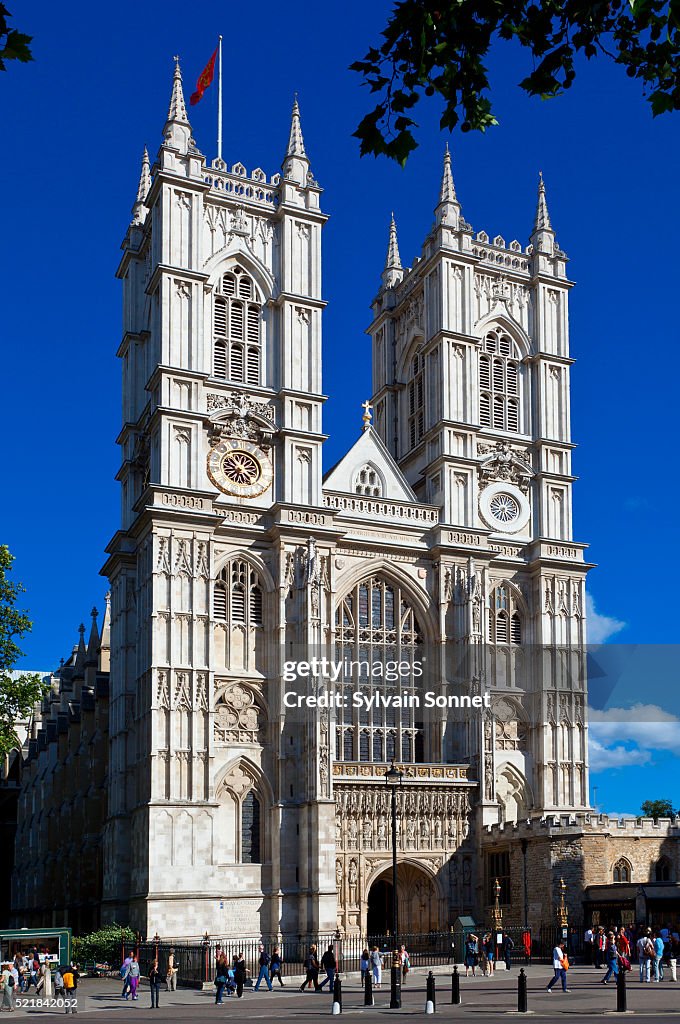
240, 468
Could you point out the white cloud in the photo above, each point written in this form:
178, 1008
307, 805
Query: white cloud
602, 757
600, 627
648, 726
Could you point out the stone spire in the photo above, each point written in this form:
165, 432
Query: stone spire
138, 211
296, 162
448, 207
393, 271
543, 236
79, 663
93, 642
105, 637
177, 130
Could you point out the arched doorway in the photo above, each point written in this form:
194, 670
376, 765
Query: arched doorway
419, 905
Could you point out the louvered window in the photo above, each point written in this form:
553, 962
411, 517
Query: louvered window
237, 317
499, 382
238, 595
504, 617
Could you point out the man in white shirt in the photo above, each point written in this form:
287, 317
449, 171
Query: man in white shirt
559, 968
588, 942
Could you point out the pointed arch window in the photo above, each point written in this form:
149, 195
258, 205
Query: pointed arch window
505, 624
237, 595
499, 382
622, 870
416, 400
237, 318
662, 870
251, 852
376, 627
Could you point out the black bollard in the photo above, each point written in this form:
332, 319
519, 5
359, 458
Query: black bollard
522, 992
431, 997
621, 991
455, 986
337, 995
368, 990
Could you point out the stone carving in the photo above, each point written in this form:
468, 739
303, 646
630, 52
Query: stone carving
237, 717
502, 462
353, 879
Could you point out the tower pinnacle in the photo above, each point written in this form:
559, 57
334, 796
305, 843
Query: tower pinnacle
393, 271
448, 207
138, 213
177, 130
296, 161
542, 236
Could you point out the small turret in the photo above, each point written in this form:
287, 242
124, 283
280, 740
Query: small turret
139, 210
447, 210
542, 236
296, 162
93, 643
393, 272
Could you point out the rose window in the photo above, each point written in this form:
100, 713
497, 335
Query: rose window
240, 467
504, 508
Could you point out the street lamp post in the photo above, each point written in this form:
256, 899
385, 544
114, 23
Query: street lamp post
562, 911
497, 918
393, 779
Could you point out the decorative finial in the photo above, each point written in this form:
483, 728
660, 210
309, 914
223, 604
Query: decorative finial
296, 144
138, 212
367, 417
81, 630
447, 192
94, 613
178, 110
392, 272
542, 219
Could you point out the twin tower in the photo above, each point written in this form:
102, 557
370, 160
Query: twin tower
444, 534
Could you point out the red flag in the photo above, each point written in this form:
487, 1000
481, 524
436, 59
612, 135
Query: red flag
204, 80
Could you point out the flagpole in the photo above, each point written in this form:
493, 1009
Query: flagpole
219, 101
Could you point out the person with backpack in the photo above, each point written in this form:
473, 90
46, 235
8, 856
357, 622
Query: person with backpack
312, 970
263, 964
125, 975
329, 965
275, 966
6, 988
70, 977
221, 977
405, 963
171, 973
58, 983
154, 984
645, 952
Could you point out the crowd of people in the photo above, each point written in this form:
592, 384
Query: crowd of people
485, 952
615, 948
49, 981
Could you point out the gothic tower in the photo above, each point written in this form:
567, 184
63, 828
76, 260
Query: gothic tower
220, 478
471, 394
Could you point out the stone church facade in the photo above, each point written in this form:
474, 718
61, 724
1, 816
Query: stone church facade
443, 535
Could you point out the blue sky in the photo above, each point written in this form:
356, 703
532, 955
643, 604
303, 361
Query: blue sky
75, 124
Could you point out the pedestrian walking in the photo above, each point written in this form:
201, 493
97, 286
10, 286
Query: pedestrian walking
134, 976
376, 967
6, 988
312, 970
612, 956
508, 946
154, 984
71, 976
657, 964
263, 973
125, 975
58, 983
471, 953
588, 945
405, 963
365, 966
171, 972
560, 967
645, 953
275, 965
239, 968
329, 965
600, 942
221, 977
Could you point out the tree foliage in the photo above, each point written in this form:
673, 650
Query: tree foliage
658, 809
440, 47
103, 946
13, 44
18, 694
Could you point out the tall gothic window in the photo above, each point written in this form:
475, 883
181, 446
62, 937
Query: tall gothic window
250, 830
238, 595
416, 401
662, 870
376, 628
236, 329
505, 618
499, 373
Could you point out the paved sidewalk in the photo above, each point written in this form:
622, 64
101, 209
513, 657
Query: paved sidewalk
482, 998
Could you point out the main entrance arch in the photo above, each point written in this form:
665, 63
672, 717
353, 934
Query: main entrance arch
419, 903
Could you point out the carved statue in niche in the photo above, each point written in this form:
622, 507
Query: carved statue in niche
368, 833
353, 879
338, 875
411, 831
382, 830
352, 832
